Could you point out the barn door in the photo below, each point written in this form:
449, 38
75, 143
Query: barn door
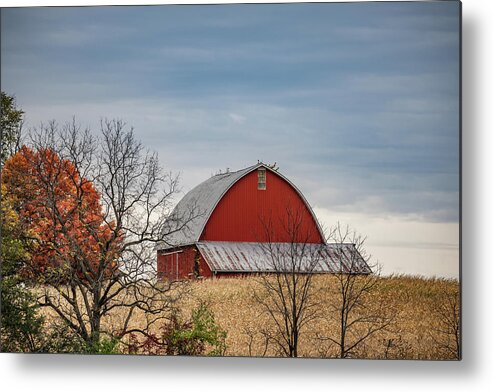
171, 265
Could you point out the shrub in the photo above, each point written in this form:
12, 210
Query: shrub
21, 325
192, 337
199, 335
104, 346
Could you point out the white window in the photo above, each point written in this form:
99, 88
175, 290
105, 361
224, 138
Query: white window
262, 184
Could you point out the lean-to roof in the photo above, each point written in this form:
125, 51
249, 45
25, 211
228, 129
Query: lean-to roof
280, 257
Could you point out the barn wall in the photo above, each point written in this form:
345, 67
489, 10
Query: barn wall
241, 211
180, 265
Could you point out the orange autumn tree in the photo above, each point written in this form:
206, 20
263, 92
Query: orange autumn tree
62, 211
95, 204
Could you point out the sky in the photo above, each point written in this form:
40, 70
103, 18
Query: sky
357, 103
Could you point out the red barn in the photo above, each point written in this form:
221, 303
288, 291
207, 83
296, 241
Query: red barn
232, 216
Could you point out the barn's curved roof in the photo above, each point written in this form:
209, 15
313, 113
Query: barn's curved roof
189, 217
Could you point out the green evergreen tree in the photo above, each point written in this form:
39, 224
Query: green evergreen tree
10, 125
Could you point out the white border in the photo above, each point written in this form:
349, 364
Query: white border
79, 373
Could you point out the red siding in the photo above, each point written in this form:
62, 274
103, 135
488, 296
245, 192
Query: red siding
243, 211
181, 264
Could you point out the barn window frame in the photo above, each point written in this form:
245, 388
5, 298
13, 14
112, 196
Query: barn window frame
261, 179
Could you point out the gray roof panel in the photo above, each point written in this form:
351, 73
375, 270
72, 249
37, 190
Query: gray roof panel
275, 257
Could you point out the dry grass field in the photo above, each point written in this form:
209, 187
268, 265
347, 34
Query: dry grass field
415, 302
418, 307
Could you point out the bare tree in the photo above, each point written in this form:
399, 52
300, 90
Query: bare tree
446, 335
358, 314
109, 273
287, 292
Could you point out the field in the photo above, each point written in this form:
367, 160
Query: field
419, 310
416, 303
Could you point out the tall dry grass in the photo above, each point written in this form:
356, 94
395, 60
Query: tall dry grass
413, 302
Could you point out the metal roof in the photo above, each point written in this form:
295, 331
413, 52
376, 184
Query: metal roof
197, 206
273, 257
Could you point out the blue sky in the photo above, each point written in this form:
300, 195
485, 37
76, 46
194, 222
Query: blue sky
357, 103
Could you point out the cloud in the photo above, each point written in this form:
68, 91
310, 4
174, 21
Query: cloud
358, 103
238, 119
403, 244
